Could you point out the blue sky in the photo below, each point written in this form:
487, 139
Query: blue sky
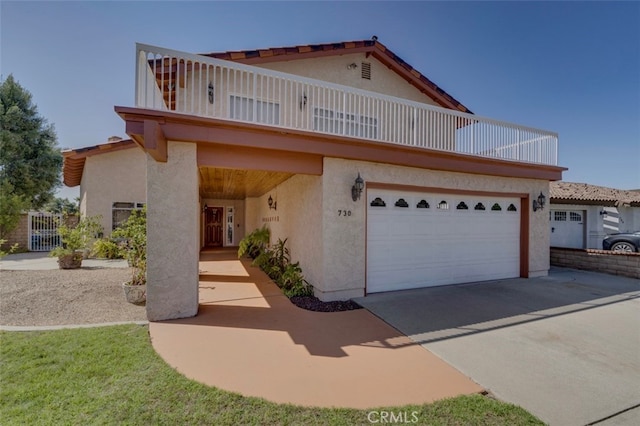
568, 67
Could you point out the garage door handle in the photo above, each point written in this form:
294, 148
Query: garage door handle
553, 229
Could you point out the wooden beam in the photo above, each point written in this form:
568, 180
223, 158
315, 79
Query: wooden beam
155, 142
186, 128
245, 158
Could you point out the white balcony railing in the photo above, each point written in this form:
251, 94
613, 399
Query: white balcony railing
207, 87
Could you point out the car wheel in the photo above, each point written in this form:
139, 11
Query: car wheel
623, 246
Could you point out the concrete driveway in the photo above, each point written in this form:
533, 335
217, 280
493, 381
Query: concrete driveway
565, 347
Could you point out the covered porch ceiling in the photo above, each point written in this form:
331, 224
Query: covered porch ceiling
237, 184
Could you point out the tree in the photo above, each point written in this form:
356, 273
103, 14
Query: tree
30, 160
63, 205
11, 205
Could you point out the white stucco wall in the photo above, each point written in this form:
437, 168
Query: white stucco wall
630, 219
173, 227
334, 69
385, 121
298, 218
119, 176
252, 214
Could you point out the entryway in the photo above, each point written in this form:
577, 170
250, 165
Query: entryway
213, 226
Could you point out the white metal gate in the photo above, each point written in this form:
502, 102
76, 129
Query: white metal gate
43, 231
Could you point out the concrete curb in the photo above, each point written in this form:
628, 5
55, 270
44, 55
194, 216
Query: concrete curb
68, 326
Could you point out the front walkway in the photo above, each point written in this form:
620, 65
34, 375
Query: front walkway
249, 338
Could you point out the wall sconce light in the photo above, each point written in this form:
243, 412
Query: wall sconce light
603, 212
352, 66
538, 203
210, 92
356, 189
272, 204
204, 209
303, 101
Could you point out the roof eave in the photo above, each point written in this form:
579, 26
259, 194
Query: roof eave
73, 160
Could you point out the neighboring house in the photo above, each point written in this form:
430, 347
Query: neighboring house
112, 178
278, 137
581, 215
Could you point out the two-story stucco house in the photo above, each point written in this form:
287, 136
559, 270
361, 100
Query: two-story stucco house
236, 140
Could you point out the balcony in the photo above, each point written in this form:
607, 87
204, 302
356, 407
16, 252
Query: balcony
168, 80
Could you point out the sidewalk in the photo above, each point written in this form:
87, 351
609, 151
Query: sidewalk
39, 261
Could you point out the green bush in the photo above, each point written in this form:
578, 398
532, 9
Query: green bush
107, 249
255, 243
275, 261
293, 283
11, 249
134, 236
78, 237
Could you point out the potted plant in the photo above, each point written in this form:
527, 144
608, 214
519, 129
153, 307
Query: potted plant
133, 234
75, 240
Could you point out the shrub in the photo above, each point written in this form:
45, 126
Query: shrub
293, 283
107, 249
275, 261
134, 244
11, 249
77, 237
255, 243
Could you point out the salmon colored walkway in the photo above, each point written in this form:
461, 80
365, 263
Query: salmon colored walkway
249, 338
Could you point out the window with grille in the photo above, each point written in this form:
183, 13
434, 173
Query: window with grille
326, 120
575, 217
443, 205
120, 212
560, 216
241, 108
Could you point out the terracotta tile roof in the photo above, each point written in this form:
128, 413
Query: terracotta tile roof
369, 47
74, 159
564, 192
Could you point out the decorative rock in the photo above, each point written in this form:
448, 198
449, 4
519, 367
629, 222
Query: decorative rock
135, 293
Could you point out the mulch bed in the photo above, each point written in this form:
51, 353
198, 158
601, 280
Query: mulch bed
312, 303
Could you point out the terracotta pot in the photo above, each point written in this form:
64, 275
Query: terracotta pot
135, 293
70, 261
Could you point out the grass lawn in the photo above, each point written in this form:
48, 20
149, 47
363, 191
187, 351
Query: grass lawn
112, 375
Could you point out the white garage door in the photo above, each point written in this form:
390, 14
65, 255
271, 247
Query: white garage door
420, 240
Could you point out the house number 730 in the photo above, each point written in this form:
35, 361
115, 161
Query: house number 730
344, 212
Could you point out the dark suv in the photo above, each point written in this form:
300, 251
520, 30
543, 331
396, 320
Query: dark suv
629, 242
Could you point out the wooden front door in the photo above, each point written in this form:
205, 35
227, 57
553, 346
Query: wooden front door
213, 226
